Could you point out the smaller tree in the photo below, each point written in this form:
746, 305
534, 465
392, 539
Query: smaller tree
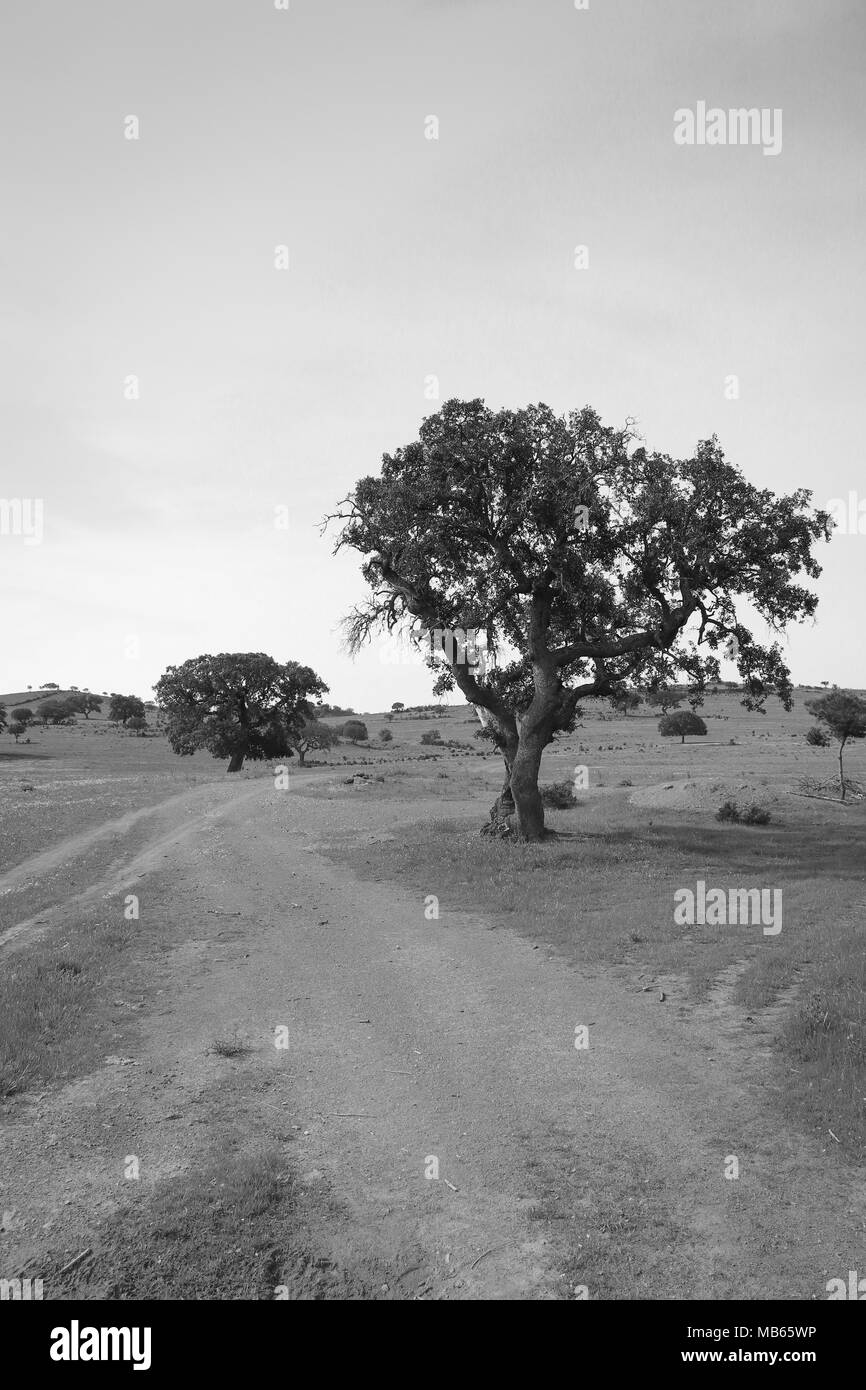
431, 736
16, 729
398, 706
682, 722
313, 735
124, 708
138, 724
56, 712
237, 705
355, 730
845, 717
625, 702
49, 685
662, 699
87, 704
23, 714
385, 736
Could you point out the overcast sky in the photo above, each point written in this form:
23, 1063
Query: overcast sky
409, 257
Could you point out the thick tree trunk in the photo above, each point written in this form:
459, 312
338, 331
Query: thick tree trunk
502, 811
236, 763
524, 787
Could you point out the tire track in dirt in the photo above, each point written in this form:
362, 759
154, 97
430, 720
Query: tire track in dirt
174, 820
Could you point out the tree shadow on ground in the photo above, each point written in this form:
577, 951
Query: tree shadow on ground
798, 851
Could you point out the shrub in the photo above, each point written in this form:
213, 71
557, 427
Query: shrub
558, 796
431, 736
819, 738
754, 815
385, 735
355, 730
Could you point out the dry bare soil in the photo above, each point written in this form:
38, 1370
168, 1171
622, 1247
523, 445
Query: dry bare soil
319, 1041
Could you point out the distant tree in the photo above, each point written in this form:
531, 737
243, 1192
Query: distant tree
53, 712
237, 705
397, 706
2, 716
825, 684
49, 685
87, 704
355, 730
124, 708
625, 701
16, 728
56, 712
662, 698
23, 713
682, 722
845, 717
313, 735
431, 736
385, 736
138, 724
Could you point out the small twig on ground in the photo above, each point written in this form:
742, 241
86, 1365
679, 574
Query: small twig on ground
484, 1256
77, 1260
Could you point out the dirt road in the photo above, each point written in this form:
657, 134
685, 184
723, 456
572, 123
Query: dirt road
422, 1078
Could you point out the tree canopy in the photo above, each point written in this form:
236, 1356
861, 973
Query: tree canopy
237, 705
582, 561
682, 722
313, 734
124, 708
